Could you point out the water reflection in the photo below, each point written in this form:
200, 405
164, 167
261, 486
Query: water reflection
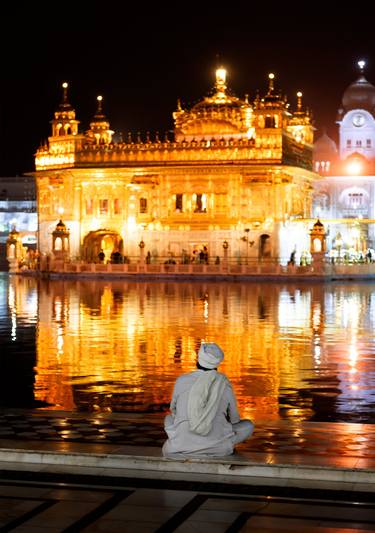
301, 352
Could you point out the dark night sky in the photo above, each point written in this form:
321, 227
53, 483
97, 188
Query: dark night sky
141, 60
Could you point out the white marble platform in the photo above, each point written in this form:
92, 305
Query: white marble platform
147, 462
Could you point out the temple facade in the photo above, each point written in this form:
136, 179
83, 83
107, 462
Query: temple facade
237, 176
344, 198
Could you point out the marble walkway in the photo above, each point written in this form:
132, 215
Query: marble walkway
331, 444
62, 471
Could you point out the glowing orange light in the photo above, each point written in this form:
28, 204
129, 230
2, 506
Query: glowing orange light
354, 167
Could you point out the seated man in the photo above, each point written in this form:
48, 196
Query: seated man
205, 419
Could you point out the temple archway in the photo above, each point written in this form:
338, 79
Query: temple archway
101, 239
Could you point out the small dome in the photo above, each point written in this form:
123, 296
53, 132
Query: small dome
359, 95
324, 148
60, 226
318, 224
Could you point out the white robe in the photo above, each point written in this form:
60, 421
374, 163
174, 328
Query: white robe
219, 441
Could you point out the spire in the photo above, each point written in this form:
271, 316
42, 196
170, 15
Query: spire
361, 65
271, 87
221, 75
299, 102
65, 86
100, 130
65, 102
64, 122
99, 111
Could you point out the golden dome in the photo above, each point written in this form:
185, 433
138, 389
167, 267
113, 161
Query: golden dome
216, 116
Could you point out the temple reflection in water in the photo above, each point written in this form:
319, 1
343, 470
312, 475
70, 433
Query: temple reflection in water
301, 352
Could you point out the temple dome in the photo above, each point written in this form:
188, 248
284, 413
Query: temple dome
359, 95
324, 148
217, 116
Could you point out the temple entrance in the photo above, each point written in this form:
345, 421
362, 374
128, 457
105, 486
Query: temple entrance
101, 240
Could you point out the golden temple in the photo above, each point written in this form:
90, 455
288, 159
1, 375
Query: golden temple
236, 175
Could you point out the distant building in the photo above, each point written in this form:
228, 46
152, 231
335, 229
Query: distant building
236, 174
345, 198
17, 210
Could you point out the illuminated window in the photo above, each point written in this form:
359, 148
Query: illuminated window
58, 244
179, 202
269, 122
348, 143
368, 143
117, 206
143, 205
355, 200
200, 203
89, 206
317, 165
103, 207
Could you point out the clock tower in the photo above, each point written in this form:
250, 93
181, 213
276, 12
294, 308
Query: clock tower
356, 119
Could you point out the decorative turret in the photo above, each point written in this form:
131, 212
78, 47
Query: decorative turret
218, 116
65, 140
317, 238
271, 111
14, 249
65, 122
300, 123
61, 241
100, 132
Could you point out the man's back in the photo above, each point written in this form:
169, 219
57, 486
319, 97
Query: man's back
218, 440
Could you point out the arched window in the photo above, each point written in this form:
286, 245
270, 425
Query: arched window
264, 246
317, 243
269, 121
58, 244
143, 205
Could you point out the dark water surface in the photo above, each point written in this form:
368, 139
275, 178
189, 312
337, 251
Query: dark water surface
303, 352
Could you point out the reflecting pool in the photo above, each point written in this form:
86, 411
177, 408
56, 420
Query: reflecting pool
303, 352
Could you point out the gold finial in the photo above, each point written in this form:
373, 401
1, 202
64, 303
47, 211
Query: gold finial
179, 108
361, 64
246, 98
65, 86
221, 75
271, 77
100, 105
299, 101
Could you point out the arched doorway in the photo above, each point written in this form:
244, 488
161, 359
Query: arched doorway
102, 239
264, 246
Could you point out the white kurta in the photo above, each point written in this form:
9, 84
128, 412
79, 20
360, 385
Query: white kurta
219, 441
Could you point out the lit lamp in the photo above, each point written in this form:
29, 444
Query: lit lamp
338, 244
142, 251
225, 249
